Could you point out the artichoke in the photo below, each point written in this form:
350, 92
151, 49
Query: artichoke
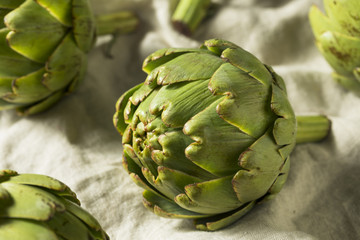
209, 133
38, 207
43, 50
337, 37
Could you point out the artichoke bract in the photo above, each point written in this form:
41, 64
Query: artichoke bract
43, 49
209, 133
38, 207
337, 37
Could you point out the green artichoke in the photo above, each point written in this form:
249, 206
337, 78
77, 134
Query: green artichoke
38, 207
43, 50
337, 37
209, 133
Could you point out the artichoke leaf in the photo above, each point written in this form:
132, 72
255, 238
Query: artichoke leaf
217, 46
64, 64
280, 103
345, 14
50, 184
39, 181
31, 229
172, 155
121, 103
247, 101
277, 79
43, 204
91, 223
142, 113
140, 95
164, 55
280, 180
83, 24
187, 67
286, 150
29, 88
262, 163
169, 182
248, 63
9, 58
285, 126
167, 208
144, 156
178, 102
263, 155
284, 131
27, 38
321, 23
61, 10
135, 173
140, 143
341, 51
212, 142
79, 77
204, 197
253, 184
216, 222
69, 227
40, 106
130, 152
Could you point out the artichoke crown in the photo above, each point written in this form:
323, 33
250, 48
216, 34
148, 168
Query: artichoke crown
208, 134
38, 207
337, 35
43, 46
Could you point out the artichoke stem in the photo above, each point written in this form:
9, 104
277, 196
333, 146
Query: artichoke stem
122, 22
188, 15
312, 128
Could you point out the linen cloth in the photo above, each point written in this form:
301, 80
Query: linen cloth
76, 142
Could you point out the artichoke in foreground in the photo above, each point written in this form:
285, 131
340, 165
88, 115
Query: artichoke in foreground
209, 133
38, 207
43, 49
337, 37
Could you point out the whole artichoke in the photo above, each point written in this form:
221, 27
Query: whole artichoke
209, 133
38, 207
44, 46
337, 37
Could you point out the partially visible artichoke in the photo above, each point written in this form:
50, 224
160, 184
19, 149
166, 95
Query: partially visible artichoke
38, 207
189, 14
337, 37
209, 133
43, 50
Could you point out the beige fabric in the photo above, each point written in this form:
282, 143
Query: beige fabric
76, 142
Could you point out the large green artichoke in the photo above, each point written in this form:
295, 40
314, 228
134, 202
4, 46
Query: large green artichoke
209, 133
37, 207
43, 50
337, 37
